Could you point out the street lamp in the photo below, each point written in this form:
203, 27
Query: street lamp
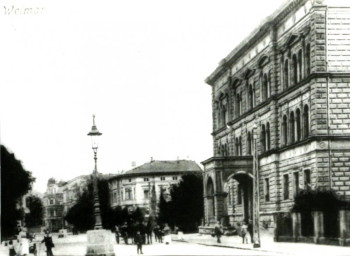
99, 241
95, 134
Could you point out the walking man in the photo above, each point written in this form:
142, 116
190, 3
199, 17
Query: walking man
139, 241
48, 243
218, 231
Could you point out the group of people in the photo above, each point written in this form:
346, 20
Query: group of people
25, 244
142, 233
246, 231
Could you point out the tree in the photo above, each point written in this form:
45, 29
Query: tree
163, 216
35, 216
81, 215
186, 205
15, 183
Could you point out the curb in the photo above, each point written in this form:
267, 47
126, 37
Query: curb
229, 246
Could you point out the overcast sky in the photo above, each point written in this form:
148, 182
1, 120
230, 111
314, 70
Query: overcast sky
139, 66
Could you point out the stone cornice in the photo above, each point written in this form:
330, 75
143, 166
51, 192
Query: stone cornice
269, 23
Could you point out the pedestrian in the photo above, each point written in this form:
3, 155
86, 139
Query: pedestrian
117, 233
218, 231
12, 251
244, 231
149, 229
23, 248
139, 241
48, 243
124, 232
167, 235
180, 234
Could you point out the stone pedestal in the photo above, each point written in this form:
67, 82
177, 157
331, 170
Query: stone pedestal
318, 226
296, 218
100, 243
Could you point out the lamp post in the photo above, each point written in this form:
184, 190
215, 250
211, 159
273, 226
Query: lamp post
99, 241
95, 134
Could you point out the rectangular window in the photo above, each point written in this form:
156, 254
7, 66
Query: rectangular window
174, 177
162, 178
130, 180
52, 201
307, 179
146, 194
296, 183
145, 179
239, 194
128, 194
285, 187
267, 189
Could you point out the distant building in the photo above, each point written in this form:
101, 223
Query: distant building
134, 187
59, 198
53, 206
283, 95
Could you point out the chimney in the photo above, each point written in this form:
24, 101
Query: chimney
133, 164
152, 159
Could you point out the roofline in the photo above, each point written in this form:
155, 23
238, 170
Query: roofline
251, 39
126, 175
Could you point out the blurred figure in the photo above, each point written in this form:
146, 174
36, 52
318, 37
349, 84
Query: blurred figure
167, 235
48, 243
218, 231
139, 242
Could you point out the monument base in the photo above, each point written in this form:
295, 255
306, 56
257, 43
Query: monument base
100, 243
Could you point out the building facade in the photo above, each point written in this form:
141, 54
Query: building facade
280, 108
139, 186
59, 198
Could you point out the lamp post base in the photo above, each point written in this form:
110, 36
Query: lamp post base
100, 243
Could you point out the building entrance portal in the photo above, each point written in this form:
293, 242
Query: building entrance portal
246, 194
210, 200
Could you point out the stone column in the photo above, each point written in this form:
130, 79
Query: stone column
344, 230
318, 226
219, 205
296, 219
275, 230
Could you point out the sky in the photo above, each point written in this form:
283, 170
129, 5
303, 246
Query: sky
138, 65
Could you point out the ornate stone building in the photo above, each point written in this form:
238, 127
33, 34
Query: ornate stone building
134, 188
59, 198
283, 94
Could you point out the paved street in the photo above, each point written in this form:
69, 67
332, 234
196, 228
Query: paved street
76, 246
195, 244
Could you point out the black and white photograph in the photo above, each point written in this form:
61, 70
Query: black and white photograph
163, 127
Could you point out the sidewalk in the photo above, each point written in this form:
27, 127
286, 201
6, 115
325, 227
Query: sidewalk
267, 245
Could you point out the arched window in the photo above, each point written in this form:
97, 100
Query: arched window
300, 64
265, 87
282, 75
240, 145
263, 138
308, 60
249, 144
285, 130
298, 124
295, 70
238, 104
268, 140
291, 127
223, 116
306, 121
286, 74
269, 79
250, 97
219, 150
